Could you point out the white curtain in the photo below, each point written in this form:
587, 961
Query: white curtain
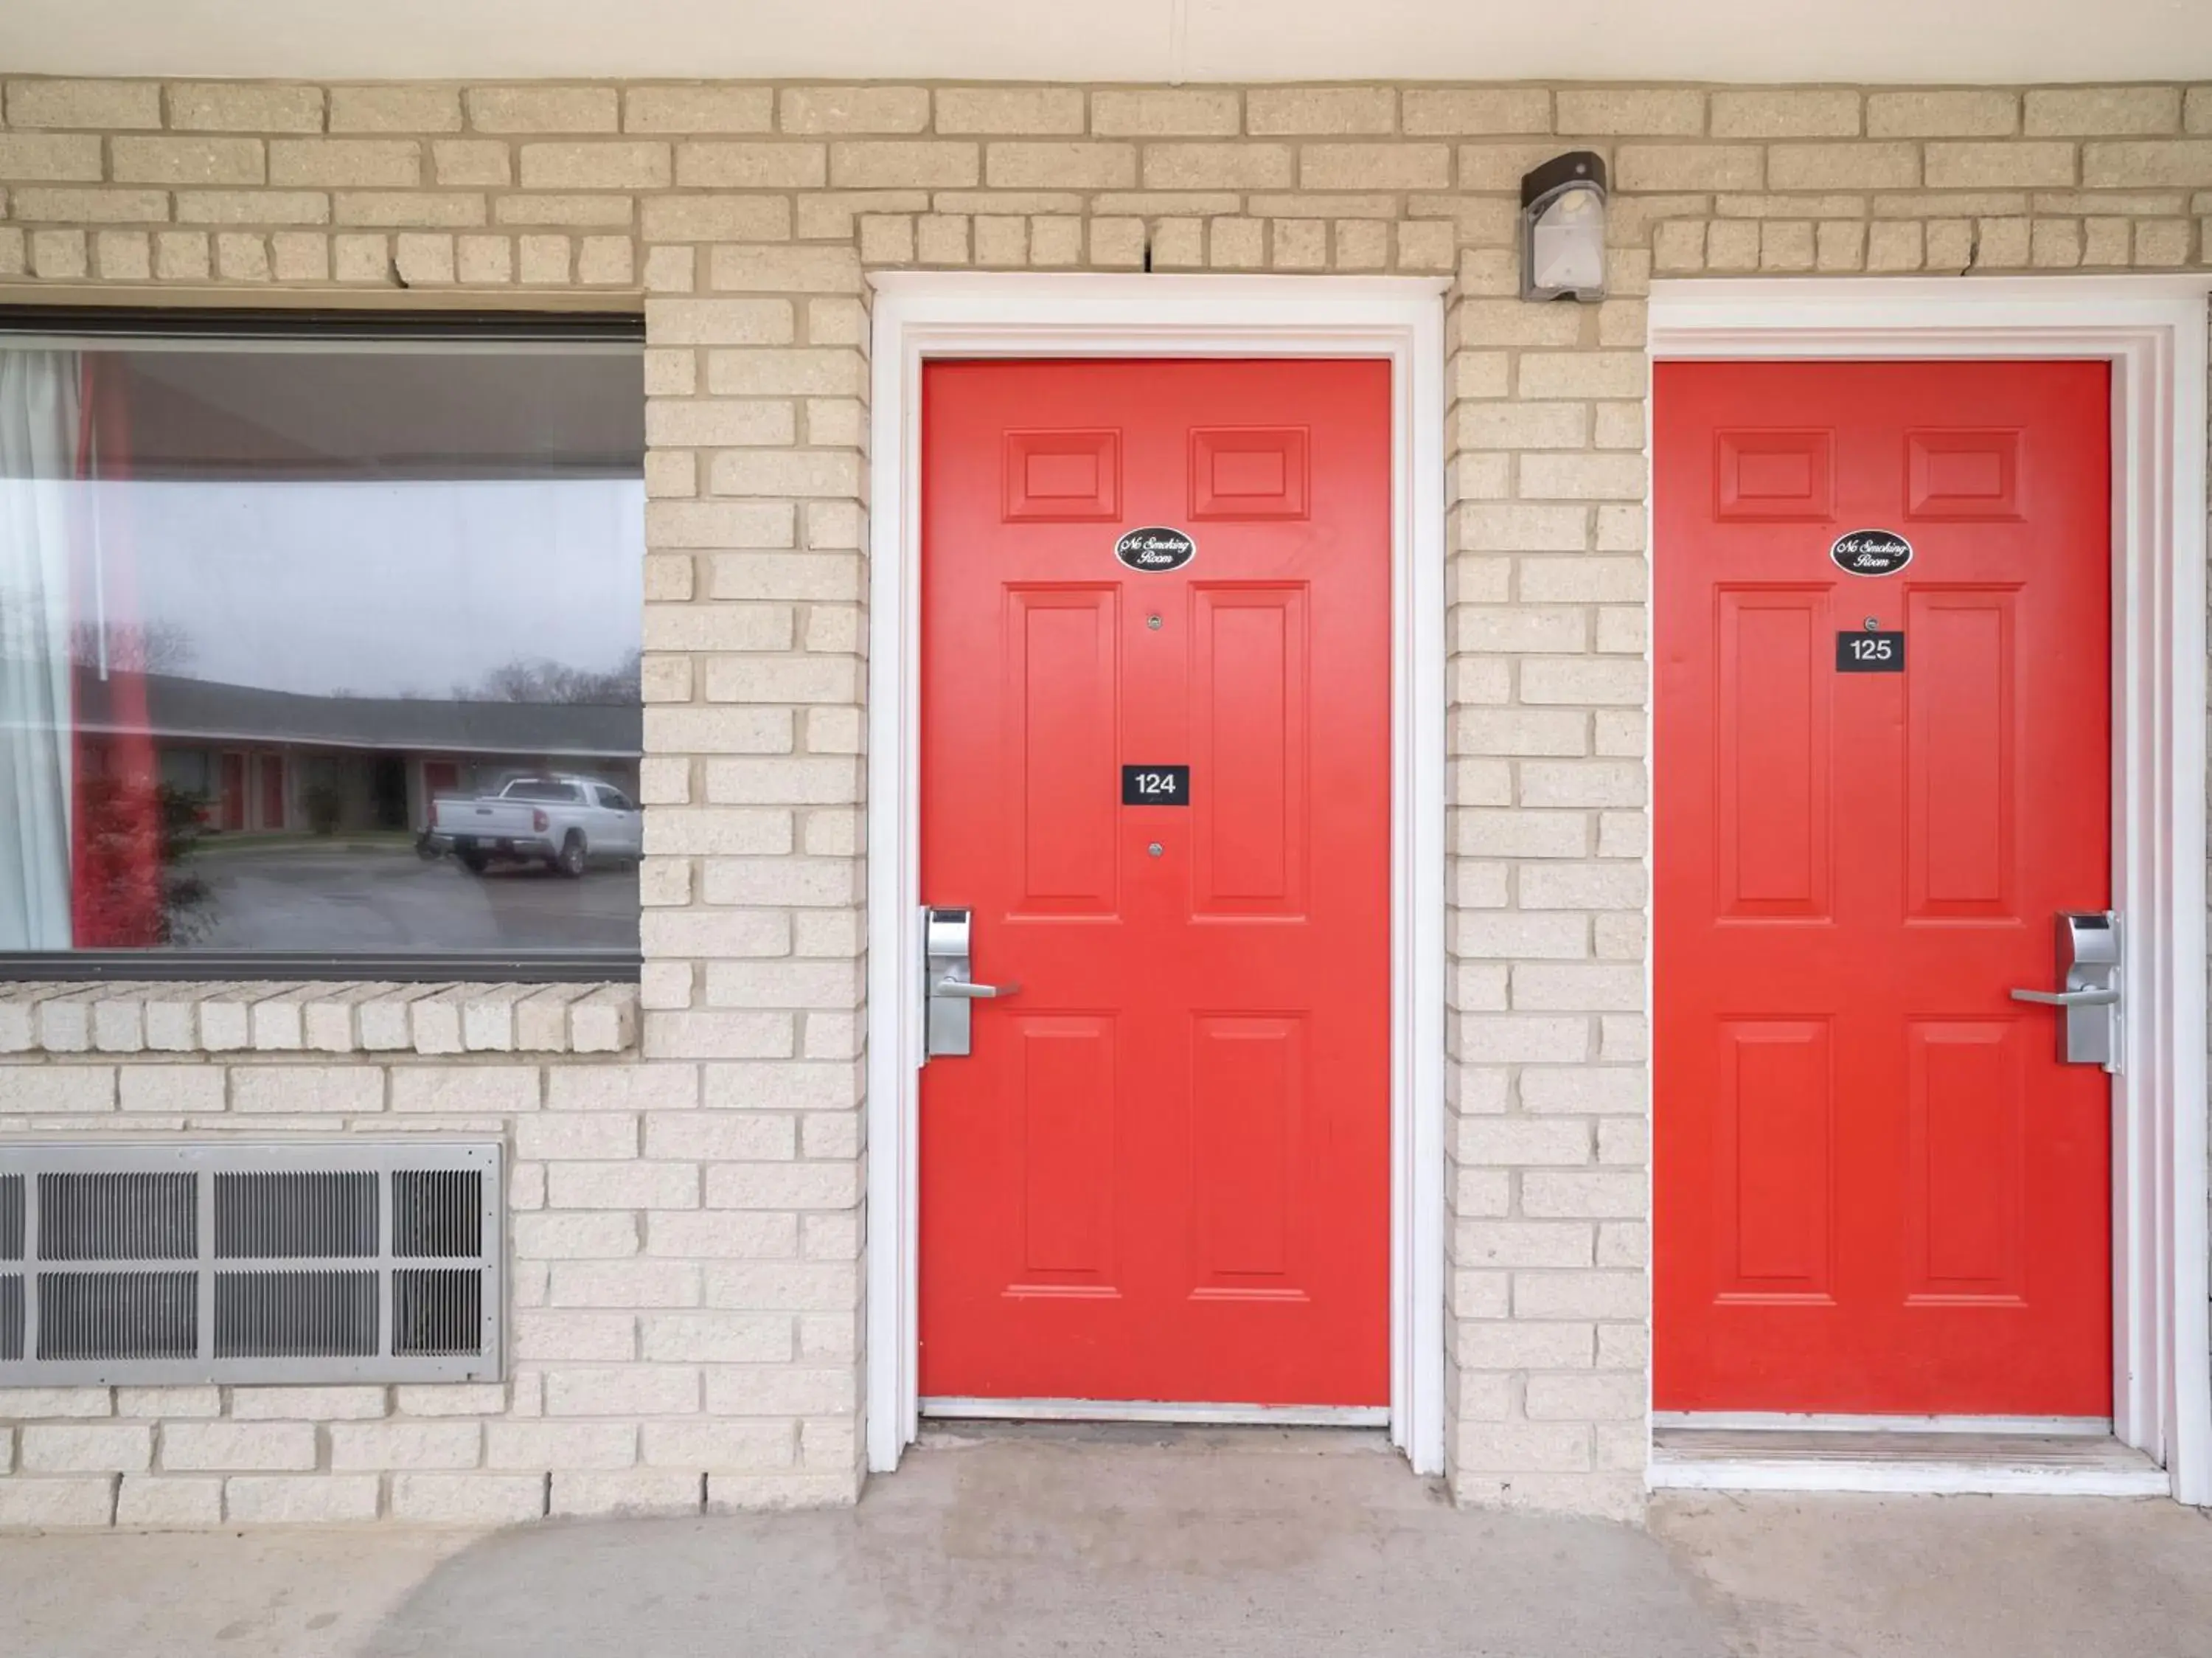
39, 441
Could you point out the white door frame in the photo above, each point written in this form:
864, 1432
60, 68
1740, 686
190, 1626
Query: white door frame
920, 315
2152, 331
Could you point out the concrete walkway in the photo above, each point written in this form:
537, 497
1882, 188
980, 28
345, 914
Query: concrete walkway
1138, 1542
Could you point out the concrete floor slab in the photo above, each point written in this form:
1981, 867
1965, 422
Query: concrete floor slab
1946, 1576
1140, 1541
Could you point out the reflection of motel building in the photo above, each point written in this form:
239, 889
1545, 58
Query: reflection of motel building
254, 755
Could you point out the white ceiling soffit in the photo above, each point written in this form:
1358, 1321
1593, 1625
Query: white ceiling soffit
1927, 41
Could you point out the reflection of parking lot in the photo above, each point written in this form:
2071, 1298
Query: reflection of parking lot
351, 896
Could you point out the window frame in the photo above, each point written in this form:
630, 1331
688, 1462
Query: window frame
73, 326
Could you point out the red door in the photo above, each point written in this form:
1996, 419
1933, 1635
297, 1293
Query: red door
272, 791
1878, 1190
439, 778
1162, 1173
231, 794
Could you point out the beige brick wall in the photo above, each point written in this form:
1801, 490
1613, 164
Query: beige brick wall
689, 1230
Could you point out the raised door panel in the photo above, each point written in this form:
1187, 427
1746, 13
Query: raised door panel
1773, 687
1963, 475
1773, 1160
1966, 1103
1249, 728
1060, 1135
1961, 833
1773, 475
1248, 1086
1253, 472
1062, 705
1062, 477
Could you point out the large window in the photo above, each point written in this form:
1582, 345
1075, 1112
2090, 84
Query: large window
319, 642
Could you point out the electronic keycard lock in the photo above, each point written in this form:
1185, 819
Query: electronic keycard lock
948, 989
2088, 996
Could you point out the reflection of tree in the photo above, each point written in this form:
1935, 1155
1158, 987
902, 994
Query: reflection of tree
132, 887
541, 680
325, 805
131, 647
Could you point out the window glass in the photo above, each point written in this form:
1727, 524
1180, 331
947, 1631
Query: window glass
539, 788
305, 646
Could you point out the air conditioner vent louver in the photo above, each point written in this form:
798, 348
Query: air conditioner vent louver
116, 1218
266, 1315
11, 1318
437, 1212
117, 1316
11, 1217
11, 1255
434, 1311
219, 1261
257, 1216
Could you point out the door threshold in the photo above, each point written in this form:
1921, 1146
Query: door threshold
1092, 1410
1832, 1422
1955, 1459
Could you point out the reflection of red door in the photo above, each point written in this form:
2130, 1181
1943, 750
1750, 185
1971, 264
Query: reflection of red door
231, 801
1878, 1189
439, 778
272, 791
1162, 1173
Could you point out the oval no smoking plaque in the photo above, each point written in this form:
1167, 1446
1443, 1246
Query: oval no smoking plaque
1871, 552
1156, 547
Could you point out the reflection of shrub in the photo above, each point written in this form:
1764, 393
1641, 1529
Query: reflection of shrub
324, 807
184, 815
131, 843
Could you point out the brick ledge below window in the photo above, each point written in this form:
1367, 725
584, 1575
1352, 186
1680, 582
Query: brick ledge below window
113, 1017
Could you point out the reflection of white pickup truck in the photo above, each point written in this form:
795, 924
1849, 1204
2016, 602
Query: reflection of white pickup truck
561, 820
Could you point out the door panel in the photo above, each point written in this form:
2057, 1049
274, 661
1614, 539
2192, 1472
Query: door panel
1062, 702
1771, 1173
1164, 1172
1967, 1096
1774, 763
1878, 1190
1249, 740
1247, 1078
1060, 1108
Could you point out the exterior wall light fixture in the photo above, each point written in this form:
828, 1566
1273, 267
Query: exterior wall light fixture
1563, 228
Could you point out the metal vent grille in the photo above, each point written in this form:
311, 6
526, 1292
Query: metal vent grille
224, 1262
266, 1315
115, 1217
435, 1311
11, 1267
11, 1217
265, 1214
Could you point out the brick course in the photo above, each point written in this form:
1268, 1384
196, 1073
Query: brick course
687, 1169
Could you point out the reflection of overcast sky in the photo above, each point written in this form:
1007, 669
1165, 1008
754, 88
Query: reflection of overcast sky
380, 588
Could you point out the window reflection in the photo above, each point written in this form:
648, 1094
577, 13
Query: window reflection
330, 648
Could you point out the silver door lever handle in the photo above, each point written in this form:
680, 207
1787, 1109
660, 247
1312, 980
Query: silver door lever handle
969, 989
2068, 998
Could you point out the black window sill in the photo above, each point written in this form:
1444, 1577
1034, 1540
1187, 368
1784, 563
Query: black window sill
301, 967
